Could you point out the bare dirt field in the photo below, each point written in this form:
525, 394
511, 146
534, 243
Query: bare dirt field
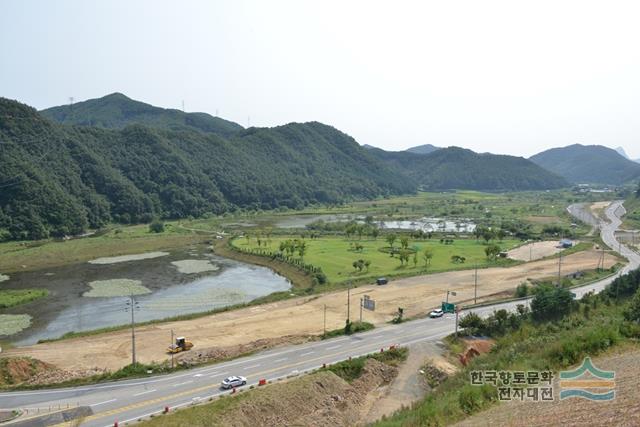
624, 410
598, 209
297, 316
534, 251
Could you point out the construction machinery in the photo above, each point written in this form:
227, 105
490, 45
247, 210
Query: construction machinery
181, 345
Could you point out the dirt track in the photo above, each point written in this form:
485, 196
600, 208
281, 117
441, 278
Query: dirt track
296, 316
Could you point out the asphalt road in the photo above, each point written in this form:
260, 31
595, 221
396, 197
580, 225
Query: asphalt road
127, 401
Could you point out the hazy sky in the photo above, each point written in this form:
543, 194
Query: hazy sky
508, 77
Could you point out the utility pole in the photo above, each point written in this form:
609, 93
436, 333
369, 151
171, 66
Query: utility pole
475, 287
172, 364
324, 327
457, 312
133, 305
559, 269
360, 310
349, 302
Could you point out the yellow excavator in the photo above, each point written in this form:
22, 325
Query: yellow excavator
181, 345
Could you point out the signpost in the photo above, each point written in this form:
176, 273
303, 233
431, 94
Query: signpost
368, 303
448, 307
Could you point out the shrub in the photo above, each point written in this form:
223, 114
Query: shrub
522, 290
156, 226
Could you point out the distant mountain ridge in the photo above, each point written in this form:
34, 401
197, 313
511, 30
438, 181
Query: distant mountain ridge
423, 149
459, 168
588, 164
58, 179
116, 111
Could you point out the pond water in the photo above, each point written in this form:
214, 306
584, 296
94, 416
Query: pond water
173, 293
425, 223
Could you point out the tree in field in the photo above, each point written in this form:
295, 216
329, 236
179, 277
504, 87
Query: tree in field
156, 226
551, 303
403, 256
487, 235
374, 233
404, 242
427, 255
391, 239
500, 233
302, 249
415, 259
492, 252
359, 265
367, 263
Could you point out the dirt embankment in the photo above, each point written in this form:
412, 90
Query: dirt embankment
298, 316
26, 371
624, 410
319, 399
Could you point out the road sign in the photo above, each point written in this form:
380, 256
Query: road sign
448, 307
368, 303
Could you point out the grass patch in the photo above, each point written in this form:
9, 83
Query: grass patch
14, 297
136, 239
13, 323
335, 255
116, 288
356, 327
350, 370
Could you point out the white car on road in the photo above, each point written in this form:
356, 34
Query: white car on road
232, 382
436, 313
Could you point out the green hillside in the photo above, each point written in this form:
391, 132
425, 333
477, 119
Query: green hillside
589, 164
458, 168
115, 111
423, 149
58, 180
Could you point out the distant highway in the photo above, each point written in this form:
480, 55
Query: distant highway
129, 400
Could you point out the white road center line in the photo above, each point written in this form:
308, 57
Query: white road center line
252, 366
144, 392
334, 347
186, 382
102, 403
282, 360
308, 353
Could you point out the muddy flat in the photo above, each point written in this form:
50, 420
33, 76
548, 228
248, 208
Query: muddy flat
297, 316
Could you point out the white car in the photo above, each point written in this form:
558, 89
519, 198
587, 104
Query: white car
436, 313
232, 382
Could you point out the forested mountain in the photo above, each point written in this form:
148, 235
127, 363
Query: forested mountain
423, 149
459, 168
115, 111
57, 179
588, 164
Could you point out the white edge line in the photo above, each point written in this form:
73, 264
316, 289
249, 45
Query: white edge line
102, 403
